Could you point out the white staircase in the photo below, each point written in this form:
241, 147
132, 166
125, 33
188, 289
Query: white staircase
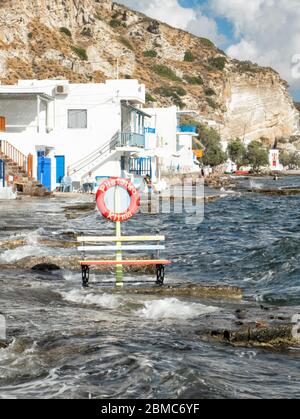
92, 161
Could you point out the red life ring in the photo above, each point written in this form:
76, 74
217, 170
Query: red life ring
134, 199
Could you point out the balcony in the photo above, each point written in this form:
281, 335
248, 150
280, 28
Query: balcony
131, 139
187, 129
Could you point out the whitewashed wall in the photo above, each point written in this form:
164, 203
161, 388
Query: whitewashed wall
103, 105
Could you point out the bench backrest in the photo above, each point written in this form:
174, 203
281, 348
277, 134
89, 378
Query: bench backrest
91, 243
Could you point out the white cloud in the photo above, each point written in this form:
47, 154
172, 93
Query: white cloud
171, 12
268, 30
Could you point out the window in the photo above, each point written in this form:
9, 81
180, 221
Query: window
77, 118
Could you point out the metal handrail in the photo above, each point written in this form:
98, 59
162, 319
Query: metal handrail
120, 139
132, 139
90, 158
14, 154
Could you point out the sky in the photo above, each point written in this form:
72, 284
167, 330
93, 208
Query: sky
266, 32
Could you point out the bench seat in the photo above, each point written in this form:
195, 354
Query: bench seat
125, 262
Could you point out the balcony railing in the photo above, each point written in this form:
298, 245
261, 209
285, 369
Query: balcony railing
187, 129
131, 139
13, 154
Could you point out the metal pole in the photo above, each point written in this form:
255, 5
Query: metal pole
119, 258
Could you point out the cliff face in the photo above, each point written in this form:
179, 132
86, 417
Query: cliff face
259, 106
88, 40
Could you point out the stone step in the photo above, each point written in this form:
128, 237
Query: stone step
26, 185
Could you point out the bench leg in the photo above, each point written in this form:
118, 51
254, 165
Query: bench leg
85, 270
160, 274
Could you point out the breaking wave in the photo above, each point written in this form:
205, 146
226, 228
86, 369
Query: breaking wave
172, 308
101, 300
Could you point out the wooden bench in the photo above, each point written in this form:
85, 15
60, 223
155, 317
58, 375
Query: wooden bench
89, 244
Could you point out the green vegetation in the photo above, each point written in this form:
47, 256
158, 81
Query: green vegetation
166, 72
169, 91
209, 92
196, 80
150, 98
214, 155
150, 54
247, 67
126, 42
237, 152
66, 31
217, 63
189, 57
180, 91
30, 35
188, 120
209, 141
290, 160
257, 156
81, 52
114, 23
116, 15
207, 42
172, 92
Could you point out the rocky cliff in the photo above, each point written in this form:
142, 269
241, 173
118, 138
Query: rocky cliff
91, 40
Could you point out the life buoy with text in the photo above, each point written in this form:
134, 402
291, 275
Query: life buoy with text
134, 199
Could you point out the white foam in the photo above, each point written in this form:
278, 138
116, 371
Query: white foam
255, 185
7, 194
13, 255
172, 308
87, 298
32, 238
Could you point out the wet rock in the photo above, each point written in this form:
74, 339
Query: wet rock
71, 263
261, 335
199, 291
3, 344
87, 206
75, 211
241, 314
217, 181
69, 234
45, 267
12, 244
256, 334
264, 308
276, 192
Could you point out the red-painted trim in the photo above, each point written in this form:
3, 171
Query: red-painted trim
134, 199
125, 262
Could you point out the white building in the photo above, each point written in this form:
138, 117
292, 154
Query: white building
274, 160
79, 128
173, 142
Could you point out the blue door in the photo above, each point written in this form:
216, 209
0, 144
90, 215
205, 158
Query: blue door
44, 170
2, 173
60, 168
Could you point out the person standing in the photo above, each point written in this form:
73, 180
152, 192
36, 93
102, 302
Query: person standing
66, 183
88, 185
